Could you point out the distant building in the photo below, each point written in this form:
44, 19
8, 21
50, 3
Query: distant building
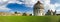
5, 14
38, 9
10, 14
54, 13
50, 12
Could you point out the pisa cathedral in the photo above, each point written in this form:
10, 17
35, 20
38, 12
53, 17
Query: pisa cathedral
38, 10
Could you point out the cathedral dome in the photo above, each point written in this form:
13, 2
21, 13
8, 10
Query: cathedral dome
39, 5
38, 2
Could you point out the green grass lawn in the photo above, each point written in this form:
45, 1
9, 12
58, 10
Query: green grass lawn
29, 19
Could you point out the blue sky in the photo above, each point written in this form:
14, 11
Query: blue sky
26, 5
18, 7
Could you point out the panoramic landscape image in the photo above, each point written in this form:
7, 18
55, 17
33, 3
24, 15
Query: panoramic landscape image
29, 10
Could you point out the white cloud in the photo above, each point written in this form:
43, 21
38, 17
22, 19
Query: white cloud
12, 1
4, 8
30, 3
50, 6
3, 4
57, 4
15, 1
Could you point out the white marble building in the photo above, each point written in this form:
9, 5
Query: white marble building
38, 9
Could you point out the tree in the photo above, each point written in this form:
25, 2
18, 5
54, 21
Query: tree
16, 12
30, 15
24, 14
